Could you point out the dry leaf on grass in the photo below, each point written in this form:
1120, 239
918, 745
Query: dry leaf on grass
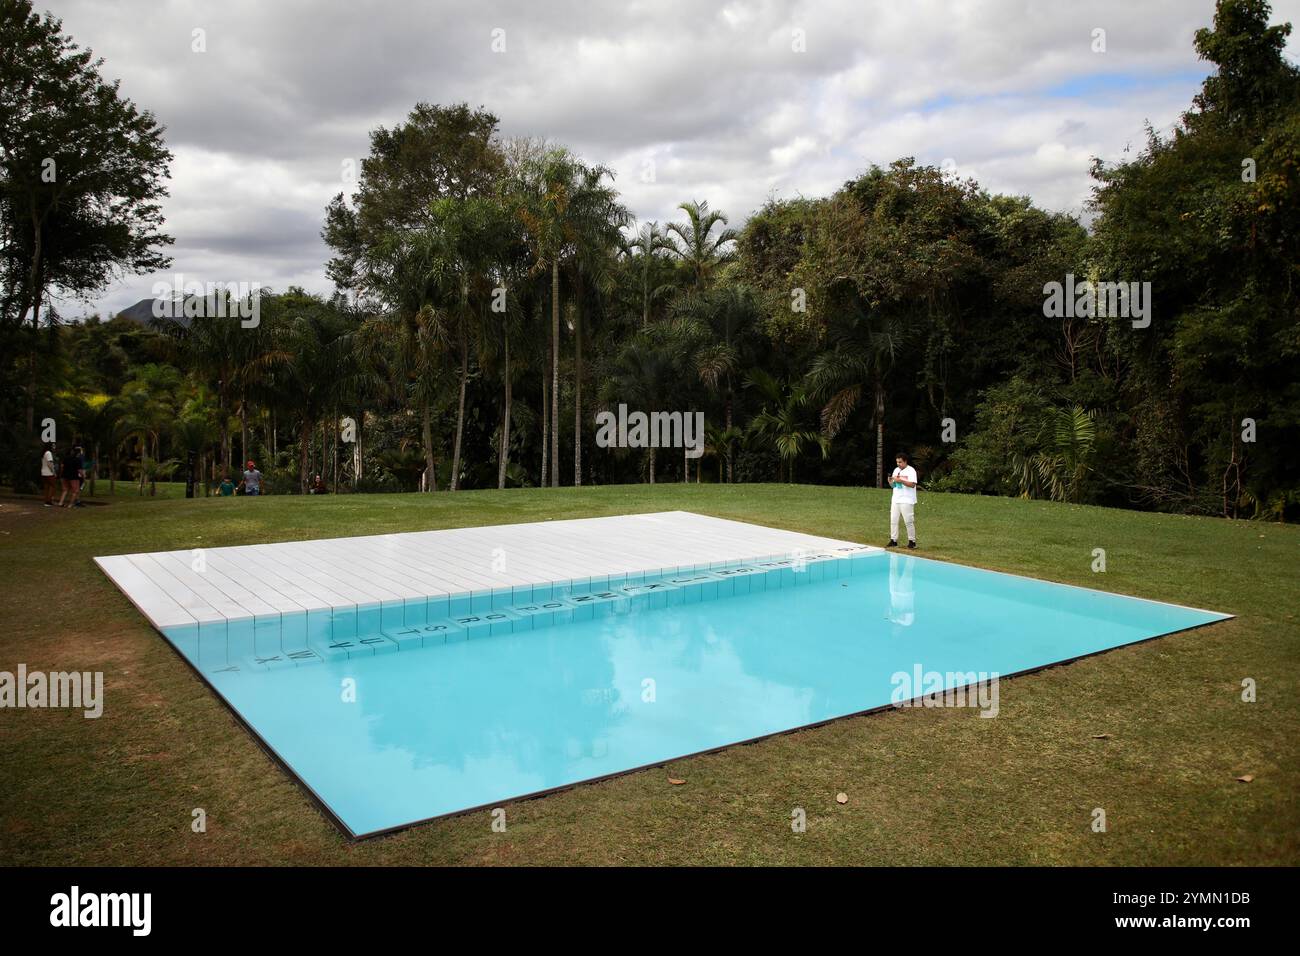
1246, 778
1101, 736
675, 782
841, 798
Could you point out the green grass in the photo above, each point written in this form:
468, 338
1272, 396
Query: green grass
924, 786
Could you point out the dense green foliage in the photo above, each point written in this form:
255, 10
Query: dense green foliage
494, 295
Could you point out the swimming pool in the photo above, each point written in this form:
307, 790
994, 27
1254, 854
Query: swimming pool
390, 719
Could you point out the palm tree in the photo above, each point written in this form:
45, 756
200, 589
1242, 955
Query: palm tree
720, 443
147, 410
646, 374
403, 346
194, 431
783, 421
545, 218
697, 245
314, 342
599, 218
566, 207
724, 315
649, 242
214, 348
862, 348
1060, 467
465, 242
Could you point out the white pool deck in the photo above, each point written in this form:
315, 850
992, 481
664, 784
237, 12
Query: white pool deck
265, 584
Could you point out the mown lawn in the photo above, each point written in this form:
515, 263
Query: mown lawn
925, 786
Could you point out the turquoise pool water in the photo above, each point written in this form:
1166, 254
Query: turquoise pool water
451, 707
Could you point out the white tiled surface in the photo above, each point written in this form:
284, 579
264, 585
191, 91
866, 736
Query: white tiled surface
266, 581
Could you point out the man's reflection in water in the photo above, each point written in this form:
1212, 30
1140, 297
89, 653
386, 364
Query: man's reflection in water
902, 601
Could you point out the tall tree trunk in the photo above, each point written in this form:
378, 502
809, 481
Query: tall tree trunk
546, 424
880, 435
503, 459
34, 283
652, 465
731, 475
243, 425
335, 485
225, 429
460, 409
577, 391
358, 453
555, 373
430, 471
304, 448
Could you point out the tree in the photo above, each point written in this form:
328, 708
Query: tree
439, 152
784, 421
403, 346
81, 175
700, 249
646, 375
650, 240
1207, 217
568, 212
723, 319
1066, 442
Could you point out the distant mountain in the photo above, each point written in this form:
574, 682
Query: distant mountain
142, 313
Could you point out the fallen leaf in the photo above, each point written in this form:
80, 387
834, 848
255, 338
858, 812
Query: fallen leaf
1246, 778
841, 798
675, 782
1101, 736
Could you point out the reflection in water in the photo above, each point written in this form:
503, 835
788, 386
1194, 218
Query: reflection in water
902, 599
469, 723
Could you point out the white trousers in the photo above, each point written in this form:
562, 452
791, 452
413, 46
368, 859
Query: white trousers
907, 510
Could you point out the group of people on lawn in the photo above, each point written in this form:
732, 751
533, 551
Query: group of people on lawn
72, 469
253, 482
68, 470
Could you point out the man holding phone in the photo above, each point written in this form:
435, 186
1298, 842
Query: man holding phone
903, 504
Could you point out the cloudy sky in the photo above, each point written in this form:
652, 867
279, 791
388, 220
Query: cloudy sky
728, 102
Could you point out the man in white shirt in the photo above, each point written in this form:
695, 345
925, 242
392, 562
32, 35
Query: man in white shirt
49, 476
904, 502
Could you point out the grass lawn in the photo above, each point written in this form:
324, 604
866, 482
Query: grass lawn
925, 786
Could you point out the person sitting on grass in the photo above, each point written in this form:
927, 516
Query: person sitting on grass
252, 481
904, 500
318, 486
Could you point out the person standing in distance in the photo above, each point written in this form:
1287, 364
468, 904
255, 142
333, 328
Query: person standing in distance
49, 474
252, 481
904, 501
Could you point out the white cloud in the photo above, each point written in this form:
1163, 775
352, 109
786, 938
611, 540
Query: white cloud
715, 97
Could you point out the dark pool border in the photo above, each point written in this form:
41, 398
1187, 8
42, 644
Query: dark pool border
355, 837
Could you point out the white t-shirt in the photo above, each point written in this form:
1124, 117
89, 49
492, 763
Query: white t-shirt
902, 493
47, 465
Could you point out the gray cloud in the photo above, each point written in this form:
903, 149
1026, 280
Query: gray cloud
713, 97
